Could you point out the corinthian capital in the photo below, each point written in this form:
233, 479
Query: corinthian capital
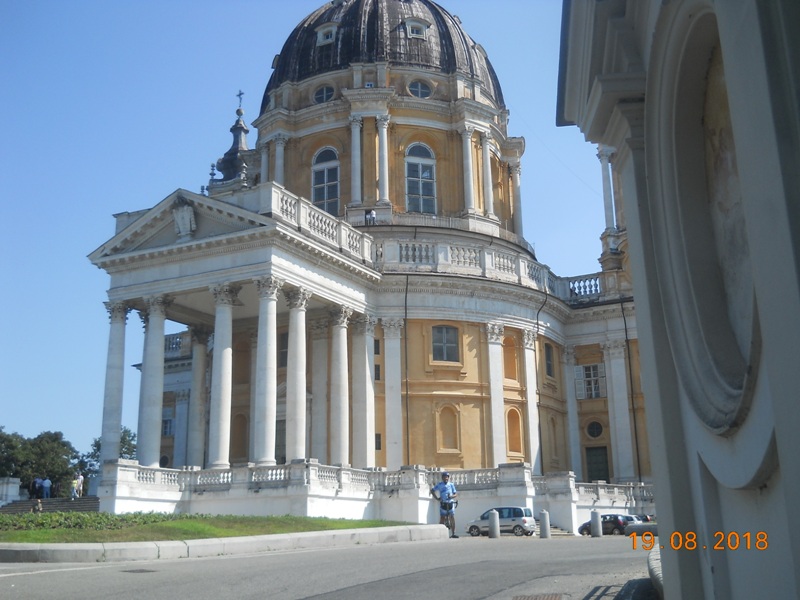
382, 121
268, 286
494, 332
297, 297
226, 294
392, 327
117, 311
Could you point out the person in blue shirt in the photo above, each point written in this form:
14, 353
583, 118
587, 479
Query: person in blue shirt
447, 495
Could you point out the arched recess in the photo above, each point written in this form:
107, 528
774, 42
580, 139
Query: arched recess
515, 435
510, 359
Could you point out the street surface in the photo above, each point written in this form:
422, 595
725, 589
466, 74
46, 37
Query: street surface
508, 568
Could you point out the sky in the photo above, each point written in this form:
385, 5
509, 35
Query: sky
107, 107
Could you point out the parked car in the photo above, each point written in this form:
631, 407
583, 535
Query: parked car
513, 519
612, 525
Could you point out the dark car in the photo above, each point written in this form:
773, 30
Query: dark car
612, 525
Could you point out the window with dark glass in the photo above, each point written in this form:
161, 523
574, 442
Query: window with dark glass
325, 181
420, 89
323, 94
283, 349
445, 343
549, 367
420, 179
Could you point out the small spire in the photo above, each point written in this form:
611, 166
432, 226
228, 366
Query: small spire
231, 165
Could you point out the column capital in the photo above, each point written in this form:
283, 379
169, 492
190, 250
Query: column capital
226, 294
569, 355
382, 121
466, 131
614, 348
604, 153
297, 297
280, 139
494, 332
515, 168
392, 328
200, 334
356, 121
319, 328
117, 311
365, 324
157, 305
486, 137
268, 286
340, 315
529, 338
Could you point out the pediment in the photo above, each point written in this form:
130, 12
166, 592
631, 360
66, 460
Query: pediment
181, 218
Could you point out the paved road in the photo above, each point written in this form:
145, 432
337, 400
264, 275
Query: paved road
508, 568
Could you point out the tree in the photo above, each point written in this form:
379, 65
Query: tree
10, 446
90, 461
48, 454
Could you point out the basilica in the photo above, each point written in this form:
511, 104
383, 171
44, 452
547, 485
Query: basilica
357, 290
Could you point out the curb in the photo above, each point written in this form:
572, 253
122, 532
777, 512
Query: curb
132, 551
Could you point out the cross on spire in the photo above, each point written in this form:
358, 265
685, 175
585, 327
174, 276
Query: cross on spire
240, 94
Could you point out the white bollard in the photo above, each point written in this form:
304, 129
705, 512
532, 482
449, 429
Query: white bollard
597, 526
494, 524
544, 524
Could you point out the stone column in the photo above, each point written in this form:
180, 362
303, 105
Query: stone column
604, 154
531, 387
340, 393
619, 415
219, 433
266, 368
297, 299
364, 392
148, 437
573, 427
392, 364
515, 175
280, 148
469, 192
195, 445
494, 335
115, 374
319, 390
264, 172
488, 189
355, 160
181, 428
382, 121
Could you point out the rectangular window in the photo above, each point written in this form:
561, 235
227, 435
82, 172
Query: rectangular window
590, 381
283, 350
377, 372
445, 343
377, 348
377, 441
549, 367
167, 422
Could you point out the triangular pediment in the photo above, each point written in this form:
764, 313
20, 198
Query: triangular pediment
182, 218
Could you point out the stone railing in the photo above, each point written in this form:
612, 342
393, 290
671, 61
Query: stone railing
308, 488
275, 201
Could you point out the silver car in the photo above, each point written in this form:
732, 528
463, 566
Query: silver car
513, 519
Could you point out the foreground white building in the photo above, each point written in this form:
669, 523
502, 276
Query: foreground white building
359, 296
700, 99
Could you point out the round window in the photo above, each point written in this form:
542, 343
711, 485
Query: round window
420, 89
323, 94
594, 429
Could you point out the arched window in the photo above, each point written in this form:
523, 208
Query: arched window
420, 179
448, 429
325, 181
514, 431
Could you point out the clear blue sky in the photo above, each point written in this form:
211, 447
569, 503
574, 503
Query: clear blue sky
108, 107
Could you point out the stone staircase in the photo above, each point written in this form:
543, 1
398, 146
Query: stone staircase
83, 504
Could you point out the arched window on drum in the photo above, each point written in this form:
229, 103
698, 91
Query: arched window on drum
325, 181
420, 179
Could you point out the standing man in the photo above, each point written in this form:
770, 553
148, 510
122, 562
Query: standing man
79, 477
446, 493
46, 486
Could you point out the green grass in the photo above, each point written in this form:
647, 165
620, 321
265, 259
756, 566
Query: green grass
50, 528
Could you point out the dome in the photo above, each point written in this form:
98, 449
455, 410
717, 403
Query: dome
402, 33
